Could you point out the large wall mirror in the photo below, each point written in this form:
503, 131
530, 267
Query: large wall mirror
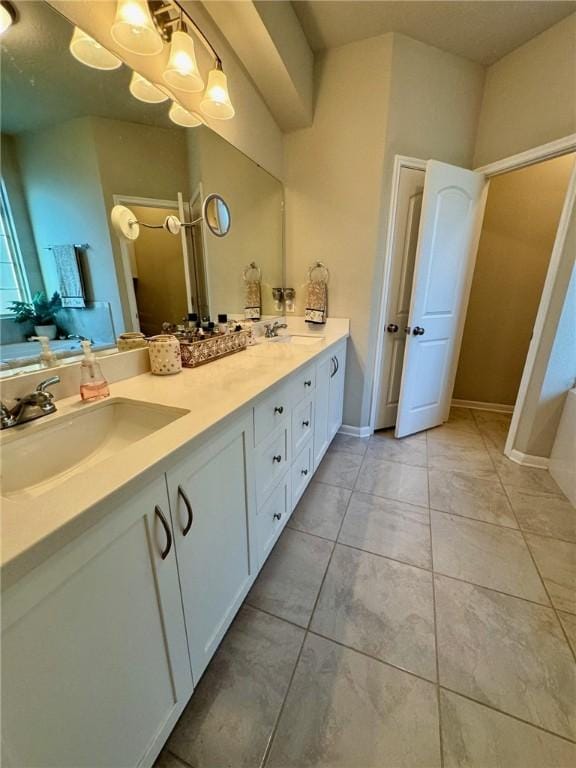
75, 143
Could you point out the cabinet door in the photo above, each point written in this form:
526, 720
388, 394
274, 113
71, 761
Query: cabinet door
336, 398
321, 405
209, 499
95, 668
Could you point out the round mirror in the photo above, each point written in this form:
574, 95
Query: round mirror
217, 215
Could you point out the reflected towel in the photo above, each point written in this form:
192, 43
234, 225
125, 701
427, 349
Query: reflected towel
253, 306
316, 302
69, 275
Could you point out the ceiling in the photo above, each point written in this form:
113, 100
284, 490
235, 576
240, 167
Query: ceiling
479, 30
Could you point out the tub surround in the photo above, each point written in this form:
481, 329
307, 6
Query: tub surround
35, 527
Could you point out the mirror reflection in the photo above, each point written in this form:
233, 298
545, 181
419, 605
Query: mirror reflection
75, 143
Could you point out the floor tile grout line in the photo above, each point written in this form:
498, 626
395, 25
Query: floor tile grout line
541, 577
508, 714
268, 749
436, 652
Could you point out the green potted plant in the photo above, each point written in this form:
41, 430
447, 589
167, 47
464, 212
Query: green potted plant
41, 311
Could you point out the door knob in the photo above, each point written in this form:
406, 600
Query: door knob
392, 328
418, 331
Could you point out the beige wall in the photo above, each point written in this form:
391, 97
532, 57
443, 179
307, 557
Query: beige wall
518, 232
375, 98
530, 95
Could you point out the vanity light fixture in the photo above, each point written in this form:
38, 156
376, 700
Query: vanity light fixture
88, 51
183, 117
7, 16
134, 29
182, 70
144, 90
216, 100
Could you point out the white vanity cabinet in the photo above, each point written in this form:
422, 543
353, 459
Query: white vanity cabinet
95, 661
336, 389
210, 497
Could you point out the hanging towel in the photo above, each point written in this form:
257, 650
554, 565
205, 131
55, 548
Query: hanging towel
316, 302
69, 275
253, 307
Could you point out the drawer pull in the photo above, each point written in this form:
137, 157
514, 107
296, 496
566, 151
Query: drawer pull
308, 383
164, 552
279, 409
188, 506
305, 423
277, 459
277, 515
304, 472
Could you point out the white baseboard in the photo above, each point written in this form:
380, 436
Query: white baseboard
346, 429
479, 406
526, 460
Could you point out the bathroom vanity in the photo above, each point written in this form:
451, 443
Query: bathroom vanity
122, 574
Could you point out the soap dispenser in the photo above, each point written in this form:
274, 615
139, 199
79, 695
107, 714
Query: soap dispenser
47, 357
93, 385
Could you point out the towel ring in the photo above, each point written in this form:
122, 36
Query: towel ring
319, 265
252, 267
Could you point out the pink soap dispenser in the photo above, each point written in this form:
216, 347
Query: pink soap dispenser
93, 385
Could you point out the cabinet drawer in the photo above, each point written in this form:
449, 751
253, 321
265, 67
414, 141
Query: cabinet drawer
272, 517
301, 472
272, 459
271, 412
302, 383
302, 424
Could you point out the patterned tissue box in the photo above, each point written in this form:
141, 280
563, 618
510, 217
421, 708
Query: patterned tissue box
195, 353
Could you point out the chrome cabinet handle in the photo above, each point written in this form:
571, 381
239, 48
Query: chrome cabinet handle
276, 516
418, 331
337, 363
304, 472
333, 373
392, 328
308, 383
305, 423
164, 552
188, 506
279, 409
277, 459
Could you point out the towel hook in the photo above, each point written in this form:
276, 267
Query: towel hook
252, 267
319, 265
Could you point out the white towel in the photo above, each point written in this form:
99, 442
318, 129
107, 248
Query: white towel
69, 276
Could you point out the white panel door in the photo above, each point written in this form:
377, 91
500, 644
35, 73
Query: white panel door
450, 223
410, 189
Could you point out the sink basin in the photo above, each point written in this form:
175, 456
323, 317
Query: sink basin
40, 455
300, 339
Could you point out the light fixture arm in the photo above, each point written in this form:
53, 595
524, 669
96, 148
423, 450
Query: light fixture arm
185, 20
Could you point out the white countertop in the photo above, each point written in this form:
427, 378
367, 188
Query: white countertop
35, 528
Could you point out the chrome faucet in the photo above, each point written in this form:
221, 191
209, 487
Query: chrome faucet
33, 406
271, 331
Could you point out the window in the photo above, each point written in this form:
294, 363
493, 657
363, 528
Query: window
13, 283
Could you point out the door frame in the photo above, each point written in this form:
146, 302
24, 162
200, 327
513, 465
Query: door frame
143, 202
538, 154
400, 162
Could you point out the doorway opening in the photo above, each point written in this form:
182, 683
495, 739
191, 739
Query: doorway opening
520, 223
514, 241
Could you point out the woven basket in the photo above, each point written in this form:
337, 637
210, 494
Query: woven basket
197, 353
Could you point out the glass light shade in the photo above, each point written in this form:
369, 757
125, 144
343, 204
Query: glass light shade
182, 117
89, 52
182, 69
216, 100
134, 29
144, 90
6, 19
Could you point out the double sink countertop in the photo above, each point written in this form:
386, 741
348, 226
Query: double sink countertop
38, 521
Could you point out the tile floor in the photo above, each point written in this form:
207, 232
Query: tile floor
417, 611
